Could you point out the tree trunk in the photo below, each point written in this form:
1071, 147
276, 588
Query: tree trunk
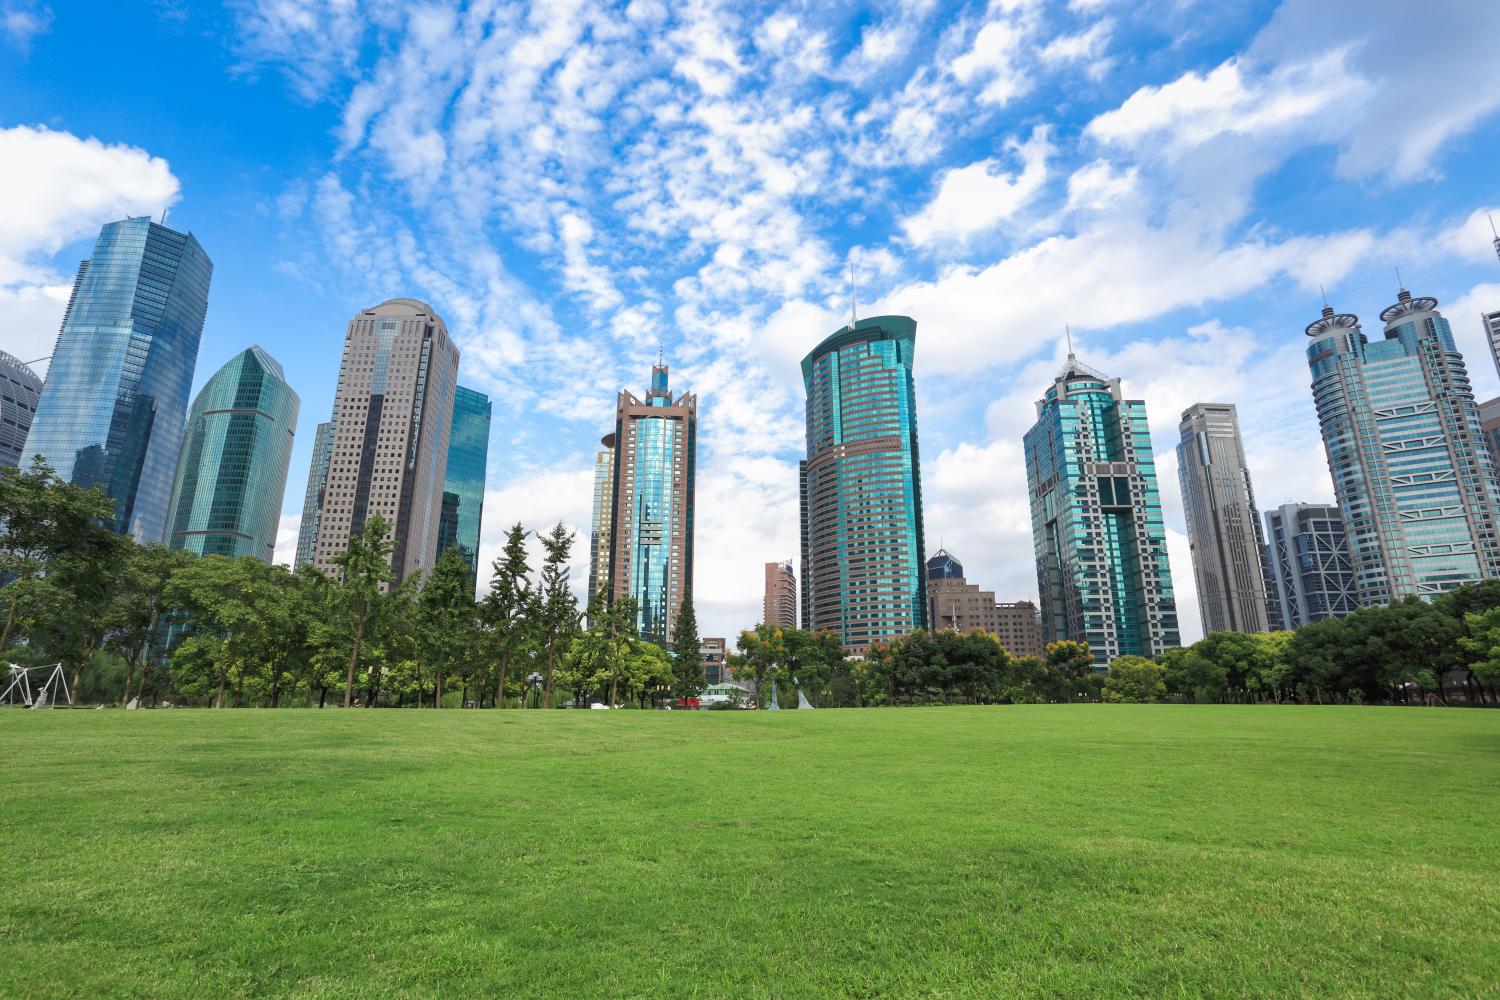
359, 633
547, 687
10, 621
129, 676
322, 695
437, 697
500, 682
614, 686
219, 698
145, 668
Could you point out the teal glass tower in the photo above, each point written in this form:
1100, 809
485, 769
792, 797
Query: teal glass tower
863, 577
1411, 470
312, 500
232, 474
463, 483
112, 411
652, 515
1096, 521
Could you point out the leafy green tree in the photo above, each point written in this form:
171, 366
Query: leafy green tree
42, 520
503, 610
624, 636
1071, 665
364, 569
557, 608
1134, 679
1481, 642
688, 678
445, 616
1192, 676
135, 625
761, 653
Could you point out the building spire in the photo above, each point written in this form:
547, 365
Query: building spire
1400, 285
1068, 332
1497, 235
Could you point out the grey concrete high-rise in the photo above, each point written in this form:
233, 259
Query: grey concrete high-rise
1311, 571
392, 414
1222, 520
20, 388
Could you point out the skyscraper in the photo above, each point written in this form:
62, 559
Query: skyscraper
651, 527
312, 500
861, 486
1411, 471
604, 512
392, 413
779, 604
1491, 321
1311, 572
1096, 522
463, 482
19, 391
1222, 520
116, 396
231, 476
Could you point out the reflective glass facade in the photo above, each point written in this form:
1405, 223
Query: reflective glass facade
651, 530
20, 389
1411, 470
1311, 571
312, 501
603, 514
116, 396
1096, 521
232, 473
863, 577
463, 483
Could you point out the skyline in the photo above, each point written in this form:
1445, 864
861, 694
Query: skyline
1111, 195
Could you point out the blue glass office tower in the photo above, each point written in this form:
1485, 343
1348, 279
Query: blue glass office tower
116, 396
1411, 470
463, 483
651, 528
1096, 522
312, 500
863, 578
232, 473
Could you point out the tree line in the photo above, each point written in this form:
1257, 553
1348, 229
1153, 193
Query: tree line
151, 624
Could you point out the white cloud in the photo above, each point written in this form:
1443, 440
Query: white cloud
62, 189
995, 61
1100, 184
974, 198
1086, 46
21, 21
287, 531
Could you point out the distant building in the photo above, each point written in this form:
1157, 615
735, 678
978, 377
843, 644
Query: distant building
604, 510
779, 603
113, 408
1096, 521
20, 388
651, 526
861, 486
463, 480
1411, 472
1020, 629
231, 477
1222, 520
1311, 570
1489, 426
712, 649
392, 414
1491, 322
312, 500
954, 603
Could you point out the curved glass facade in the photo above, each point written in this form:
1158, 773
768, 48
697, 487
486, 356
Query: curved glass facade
1096, 521
232, 474
1411, 470
20, 389
863, 578
116, 396
463, 483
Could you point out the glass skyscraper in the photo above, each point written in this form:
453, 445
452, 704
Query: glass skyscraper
861, 485
651, 522
232, 473
603, 514
463, 483
1222, 521
1311, 573
1096, 521
20, 390
1411, 470
116, 396
312, 500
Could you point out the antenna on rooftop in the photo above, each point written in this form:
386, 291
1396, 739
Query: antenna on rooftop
1497, 236
164, 215
1399, 283
1323, 293
1068, 331
661, 354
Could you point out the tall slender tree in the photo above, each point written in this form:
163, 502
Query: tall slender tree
445, 615
558, 607
688, 678
503, 610
365, 566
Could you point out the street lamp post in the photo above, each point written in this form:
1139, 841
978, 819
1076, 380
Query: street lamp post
536, 687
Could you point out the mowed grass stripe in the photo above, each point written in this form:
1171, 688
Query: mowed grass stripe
958, 852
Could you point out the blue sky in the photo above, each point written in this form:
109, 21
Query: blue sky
571, 185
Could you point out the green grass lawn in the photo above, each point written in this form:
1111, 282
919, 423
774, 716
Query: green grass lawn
960, 852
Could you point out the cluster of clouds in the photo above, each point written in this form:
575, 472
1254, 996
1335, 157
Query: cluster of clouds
575, 185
